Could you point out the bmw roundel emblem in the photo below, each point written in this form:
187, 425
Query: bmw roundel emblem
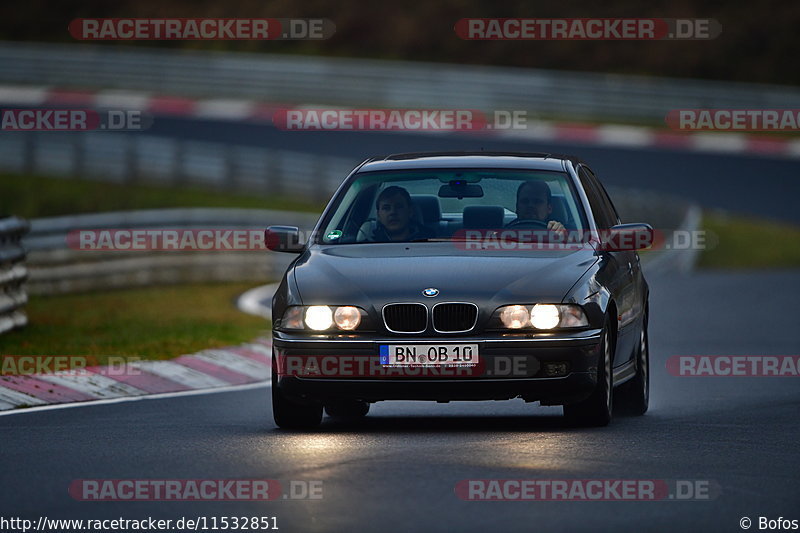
430, 292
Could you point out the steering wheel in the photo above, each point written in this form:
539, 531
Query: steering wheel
524, 222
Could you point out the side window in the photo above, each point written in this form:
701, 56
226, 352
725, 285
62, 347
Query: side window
605, 199
603, 212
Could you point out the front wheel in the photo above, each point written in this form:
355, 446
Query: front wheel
289, 414
633, 397
596, 409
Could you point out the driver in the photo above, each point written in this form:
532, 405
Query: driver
534, 202
395, 213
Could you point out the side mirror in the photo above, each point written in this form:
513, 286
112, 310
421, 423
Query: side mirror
627, 237
283, 239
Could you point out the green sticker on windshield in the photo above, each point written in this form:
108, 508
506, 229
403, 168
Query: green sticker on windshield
333, 235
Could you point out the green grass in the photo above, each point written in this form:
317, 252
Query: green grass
151, 323
38, 196
740, 242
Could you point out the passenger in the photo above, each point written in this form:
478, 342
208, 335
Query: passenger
395, 217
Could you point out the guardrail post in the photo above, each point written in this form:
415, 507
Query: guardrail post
131, 171
78, 155
231, 168
29, 154
273, 176
179, 161
321, 169
13, 273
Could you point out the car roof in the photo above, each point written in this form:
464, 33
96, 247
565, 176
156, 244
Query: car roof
481, 159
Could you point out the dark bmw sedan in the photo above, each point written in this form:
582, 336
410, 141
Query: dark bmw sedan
462, 276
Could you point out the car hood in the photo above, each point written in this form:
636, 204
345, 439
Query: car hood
372, 275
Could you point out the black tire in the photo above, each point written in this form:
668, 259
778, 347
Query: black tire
289, 414
596, 410
633, 397
347, 409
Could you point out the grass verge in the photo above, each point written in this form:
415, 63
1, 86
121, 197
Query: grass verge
38, 196
740, 242
151, 323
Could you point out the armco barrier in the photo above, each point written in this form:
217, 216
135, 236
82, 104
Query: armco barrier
13, 273
55, 267
376, 83
135, 158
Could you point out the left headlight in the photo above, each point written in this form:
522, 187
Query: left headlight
322, 317
542, 316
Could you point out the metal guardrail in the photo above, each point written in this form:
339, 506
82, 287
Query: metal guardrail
13, 273
135, 157
57, 268
377, 83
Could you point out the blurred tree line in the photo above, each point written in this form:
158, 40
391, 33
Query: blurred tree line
759, 41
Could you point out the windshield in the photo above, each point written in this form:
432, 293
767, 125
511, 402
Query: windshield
441, 204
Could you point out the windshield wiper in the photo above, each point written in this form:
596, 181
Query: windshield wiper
437, 239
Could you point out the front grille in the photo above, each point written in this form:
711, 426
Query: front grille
451, 318
405, 318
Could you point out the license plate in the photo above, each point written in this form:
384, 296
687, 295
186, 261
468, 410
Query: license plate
428, 354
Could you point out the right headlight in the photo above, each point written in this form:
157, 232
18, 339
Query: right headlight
319, 317
542, 316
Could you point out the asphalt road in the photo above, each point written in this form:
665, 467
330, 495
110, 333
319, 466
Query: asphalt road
397, 470
763, 186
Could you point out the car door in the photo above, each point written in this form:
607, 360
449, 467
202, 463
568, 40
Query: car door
619, 268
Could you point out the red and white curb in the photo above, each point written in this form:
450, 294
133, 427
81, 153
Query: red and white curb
210, 369
612, 135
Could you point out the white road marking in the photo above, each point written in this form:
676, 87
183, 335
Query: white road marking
23, 95
94, 385
235, 362
180, 374
613, 135
719, 142
115, 99
793, 148
92, 403
259, 348
251, 302
224, 109
14, 398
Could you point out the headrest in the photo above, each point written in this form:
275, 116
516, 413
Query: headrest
483, 217
428, 206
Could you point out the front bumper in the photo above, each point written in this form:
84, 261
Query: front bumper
550, 368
